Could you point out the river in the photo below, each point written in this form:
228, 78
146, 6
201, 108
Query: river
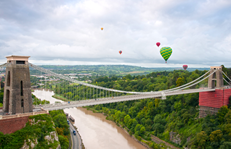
95, 130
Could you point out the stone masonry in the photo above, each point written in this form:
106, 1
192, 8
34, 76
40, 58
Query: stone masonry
8, 126
17, 90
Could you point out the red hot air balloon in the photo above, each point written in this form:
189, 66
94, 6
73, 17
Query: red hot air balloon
120, 52
185, 67
158, 44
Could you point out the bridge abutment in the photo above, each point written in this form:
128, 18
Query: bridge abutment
210, 102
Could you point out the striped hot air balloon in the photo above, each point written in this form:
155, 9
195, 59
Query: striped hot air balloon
166, 52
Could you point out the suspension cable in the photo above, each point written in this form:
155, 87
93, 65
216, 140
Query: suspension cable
187, 83
226, 76
226, 81
112, 90
197, 82
3, 65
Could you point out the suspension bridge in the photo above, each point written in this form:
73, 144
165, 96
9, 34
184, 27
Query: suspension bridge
107, 95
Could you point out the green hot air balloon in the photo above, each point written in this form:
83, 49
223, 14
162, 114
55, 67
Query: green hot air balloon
166, 52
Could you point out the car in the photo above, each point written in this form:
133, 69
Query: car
74, 132
68, 121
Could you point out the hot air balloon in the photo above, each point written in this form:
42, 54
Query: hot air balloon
158, 44
185, 67
102, 28
120, 52
166, 52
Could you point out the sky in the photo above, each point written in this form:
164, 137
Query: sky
59, 32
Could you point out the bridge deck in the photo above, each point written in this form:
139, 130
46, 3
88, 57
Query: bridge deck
91, 102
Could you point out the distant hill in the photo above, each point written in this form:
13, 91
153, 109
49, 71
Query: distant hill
114, 67
107, 70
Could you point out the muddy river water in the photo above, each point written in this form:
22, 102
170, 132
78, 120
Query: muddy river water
95, 130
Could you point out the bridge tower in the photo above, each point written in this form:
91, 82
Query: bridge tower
17, 90
216, 78
210, 102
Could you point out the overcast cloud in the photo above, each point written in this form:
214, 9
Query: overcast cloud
69, 32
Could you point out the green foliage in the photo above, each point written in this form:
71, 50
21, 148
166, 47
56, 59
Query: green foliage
43, 126
221, 114
37, 101
1, 94
62, 127
201, 139
216, 136
64, 142
180, 81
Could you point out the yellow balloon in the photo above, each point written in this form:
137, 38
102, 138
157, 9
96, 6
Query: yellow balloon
101, 28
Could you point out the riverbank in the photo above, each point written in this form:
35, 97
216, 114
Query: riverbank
56, 96
155, 142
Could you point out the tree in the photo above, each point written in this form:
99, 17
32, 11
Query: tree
221, 113
126, 119
158, 128
216, 136
156, 102
177, 106
137, 127
132, 112
134, 123
60, 121
130, 122
1, 97
60, 131
128, 76
227, 117
180, 81
225, 145
64, 142
142, 130
201, 139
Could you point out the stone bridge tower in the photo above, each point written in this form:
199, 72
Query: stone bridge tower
17, 90
216, 80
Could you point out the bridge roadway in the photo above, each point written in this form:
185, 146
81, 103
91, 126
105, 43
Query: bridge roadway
91, 102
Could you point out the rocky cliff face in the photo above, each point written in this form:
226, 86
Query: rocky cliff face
174, 137
50, 139
30, 144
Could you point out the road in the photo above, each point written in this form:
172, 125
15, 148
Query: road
76, 140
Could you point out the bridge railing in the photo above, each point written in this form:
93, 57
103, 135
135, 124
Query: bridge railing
90, 100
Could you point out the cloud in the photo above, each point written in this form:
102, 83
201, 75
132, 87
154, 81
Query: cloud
68, 32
